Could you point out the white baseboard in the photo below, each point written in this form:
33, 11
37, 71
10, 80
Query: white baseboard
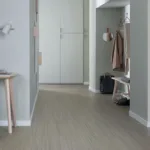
36, 97
19, 123
86, 83
22, 123
94, 90
139, 119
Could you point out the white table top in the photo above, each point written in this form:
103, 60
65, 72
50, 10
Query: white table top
7, 76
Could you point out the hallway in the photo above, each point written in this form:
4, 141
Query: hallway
72, 118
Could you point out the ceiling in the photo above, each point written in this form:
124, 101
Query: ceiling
115, 3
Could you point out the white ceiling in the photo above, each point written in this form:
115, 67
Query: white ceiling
115, 3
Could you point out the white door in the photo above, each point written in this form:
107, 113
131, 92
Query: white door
62, 58
49, 40
72, 16
72, 41
72, 58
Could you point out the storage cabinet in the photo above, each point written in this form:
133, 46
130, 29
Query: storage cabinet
61, 41
72, 58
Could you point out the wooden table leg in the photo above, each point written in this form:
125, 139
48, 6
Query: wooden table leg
12, 103
115, 89
8, 106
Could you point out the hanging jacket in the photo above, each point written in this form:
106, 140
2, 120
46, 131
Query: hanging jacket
118, 53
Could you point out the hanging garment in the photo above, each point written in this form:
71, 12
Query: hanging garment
118, 53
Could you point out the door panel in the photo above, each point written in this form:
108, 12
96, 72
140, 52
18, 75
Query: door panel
72, 58
49, 37
72, 16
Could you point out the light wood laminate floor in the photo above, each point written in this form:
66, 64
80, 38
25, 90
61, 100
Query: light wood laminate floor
72, 118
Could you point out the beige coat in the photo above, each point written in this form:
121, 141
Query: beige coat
118, 53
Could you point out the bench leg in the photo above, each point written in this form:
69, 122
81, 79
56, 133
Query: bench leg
8, 105
115, 89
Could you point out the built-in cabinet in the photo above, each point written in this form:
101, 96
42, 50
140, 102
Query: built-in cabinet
61, 41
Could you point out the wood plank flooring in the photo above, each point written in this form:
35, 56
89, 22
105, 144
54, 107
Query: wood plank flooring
72, 118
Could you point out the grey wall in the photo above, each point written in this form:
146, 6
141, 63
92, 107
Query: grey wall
17, 55
33, 57
86, 41
148, 63
139, 58
105, 18
14, 55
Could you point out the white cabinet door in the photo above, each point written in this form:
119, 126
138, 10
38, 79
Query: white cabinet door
72, 16
49, 37
72, 58
62, 58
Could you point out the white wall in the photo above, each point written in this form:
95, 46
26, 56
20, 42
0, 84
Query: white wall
101, 2
86, 41
15, 56
127, 11
92, 46
116, 4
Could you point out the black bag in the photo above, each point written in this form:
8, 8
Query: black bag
106, 84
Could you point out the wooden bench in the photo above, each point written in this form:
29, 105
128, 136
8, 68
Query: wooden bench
118, 80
